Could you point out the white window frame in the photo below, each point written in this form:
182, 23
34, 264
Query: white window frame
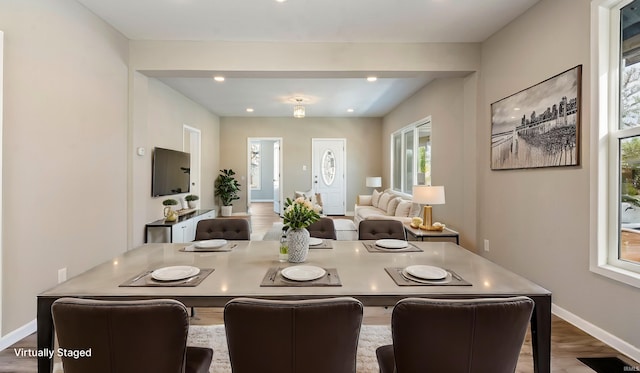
605, 202
413, 127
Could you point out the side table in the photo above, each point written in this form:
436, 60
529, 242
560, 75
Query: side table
421, 234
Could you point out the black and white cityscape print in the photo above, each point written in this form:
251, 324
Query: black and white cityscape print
539, 126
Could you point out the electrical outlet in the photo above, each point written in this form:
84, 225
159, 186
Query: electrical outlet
62, 275
486, 245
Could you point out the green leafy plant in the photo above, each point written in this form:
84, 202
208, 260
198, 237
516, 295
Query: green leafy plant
169, 202
300, 213
227, 187
191, 197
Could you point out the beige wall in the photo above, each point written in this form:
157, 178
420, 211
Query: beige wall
537, 221
196, 56
364, 157
443, 101
64, 161
166, 112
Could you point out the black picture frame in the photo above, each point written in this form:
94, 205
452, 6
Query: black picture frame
540, 125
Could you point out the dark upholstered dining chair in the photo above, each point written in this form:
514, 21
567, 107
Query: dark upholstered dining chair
229, 229
462, 335
127, 336
381, 229
323, 228
310, 336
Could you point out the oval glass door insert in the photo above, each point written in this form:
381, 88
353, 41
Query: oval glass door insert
328, 167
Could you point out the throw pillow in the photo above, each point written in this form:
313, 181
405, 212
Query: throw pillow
375, 198
384, 201
404, 208
364, 200
393, 204
416, 210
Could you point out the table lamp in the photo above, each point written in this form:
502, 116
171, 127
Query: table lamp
373, 181
428, 195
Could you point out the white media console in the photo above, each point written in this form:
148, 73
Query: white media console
182, 230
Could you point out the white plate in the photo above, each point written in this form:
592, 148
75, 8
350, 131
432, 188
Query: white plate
426, 272
303, 273
445, 280
174, 273
210, 244
392, 244
314, 241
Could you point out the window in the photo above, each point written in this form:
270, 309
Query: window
411, 156
616, 136
255, 174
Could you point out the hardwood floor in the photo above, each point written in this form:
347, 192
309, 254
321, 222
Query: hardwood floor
567, 342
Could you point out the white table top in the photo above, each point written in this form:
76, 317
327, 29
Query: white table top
240, 272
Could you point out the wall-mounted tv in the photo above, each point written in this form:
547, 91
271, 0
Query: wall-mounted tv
170, 172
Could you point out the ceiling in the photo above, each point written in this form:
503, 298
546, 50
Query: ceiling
354, 21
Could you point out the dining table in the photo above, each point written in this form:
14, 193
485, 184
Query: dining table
249, 269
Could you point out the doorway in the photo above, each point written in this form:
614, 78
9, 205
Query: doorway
191, 145
329, 173
264, 176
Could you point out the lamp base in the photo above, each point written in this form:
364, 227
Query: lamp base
428, 220
431, 228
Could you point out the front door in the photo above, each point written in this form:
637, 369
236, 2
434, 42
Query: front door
329, 174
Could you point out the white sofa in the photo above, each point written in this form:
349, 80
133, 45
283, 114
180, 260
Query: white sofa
388, 204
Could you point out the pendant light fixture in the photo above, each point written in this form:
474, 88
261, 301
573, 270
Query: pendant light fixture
298, 109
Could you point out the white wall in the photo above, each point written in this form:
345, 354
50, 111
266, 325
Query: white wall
537, 220
64, 169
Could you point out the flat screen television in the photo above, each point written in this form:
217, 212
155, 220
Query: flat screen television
170, 172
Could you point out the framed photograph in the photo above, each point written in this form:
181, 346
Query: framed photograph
539, 126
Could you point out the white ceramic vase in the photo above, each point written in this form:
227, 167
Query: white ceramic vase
226, 210
298, 240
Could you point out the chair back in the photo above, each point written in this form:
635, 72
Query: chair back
381, 229
474, 335
226, 228
123, 336
311, 336
323, 228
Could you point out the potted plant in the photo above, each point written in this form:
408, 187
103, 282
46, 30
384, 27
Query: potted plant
169, 213
227, 188
191, 200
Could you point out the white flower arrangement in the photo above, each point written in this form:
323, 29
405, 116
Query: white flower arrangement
300, 213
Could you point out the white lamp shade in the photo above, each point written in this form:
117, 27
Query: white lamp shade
428, 195
374, 181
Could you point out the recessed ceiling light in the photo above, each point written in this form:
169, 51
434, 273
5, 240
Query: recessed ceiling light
249, 110
280, 1
372, 78
350, 110
516, 108
218, 78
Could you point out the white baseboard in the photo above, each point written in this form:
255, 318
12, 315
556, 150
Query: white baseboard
18, 334
597, 332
